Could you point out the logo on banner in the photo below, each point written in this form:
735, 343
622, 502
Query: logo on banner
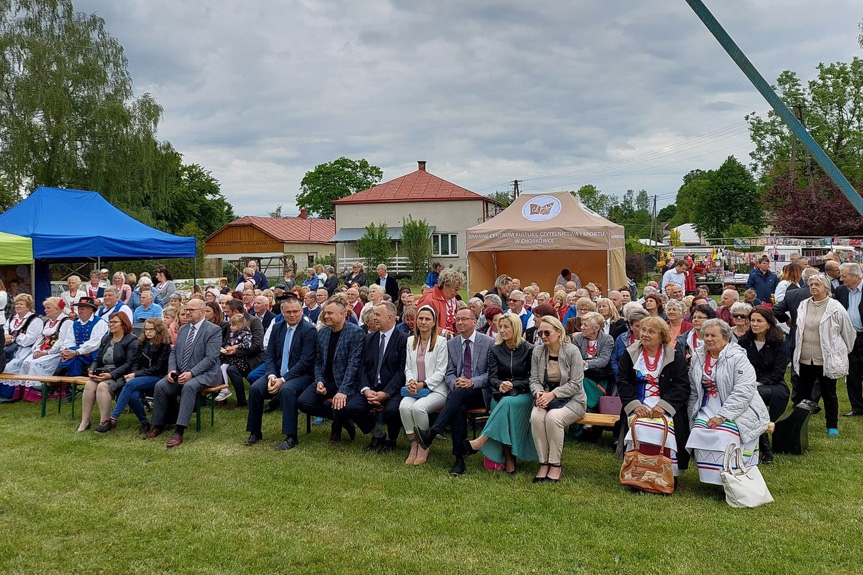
541, 208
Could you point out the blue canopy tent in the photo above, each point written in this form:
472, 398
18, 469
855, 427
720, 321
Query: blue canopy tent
75, 225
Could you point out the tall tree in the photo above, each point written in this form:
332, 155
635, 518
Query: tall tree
730, 197
666, 213
821, 211
503, 198
67, 117
375, 246
593, 199
693, 184
416, 245
832, 107
334, 181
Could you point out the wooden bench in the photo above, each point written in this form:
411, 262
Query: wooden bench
208, 395
51, 381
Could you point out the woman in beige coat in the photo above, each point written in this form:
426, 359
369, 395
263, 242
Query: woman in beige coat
556, 382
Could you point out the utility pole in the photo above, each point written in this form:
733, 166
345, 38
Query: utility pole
653, 226
515, 191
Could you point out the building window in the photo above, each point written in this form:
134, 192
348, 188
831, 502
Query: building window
444, 244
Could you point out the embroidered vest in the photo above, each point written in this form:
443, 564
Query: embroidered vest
83, 331
103, 313
51, 339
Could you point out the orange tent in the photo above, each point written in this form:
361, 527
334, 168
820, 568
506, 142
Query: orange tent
539, 235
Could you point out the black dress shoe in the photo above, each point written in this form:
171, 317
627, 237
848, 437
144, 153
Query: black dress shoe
387, 446
458, 468
374, 445
853, 414
424, 437
253, 439
288, 443
468, 450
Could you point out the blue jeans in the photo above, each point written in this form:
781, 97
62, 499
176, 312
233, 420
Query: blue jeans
131, 394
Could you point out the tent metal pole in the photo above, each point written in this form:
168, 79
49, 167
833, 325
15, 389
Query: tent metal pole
494, 261
608, 263
33, 280
467, 265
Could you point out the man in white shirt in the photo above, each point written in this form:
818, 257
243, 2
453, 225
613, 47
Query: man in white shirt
516, 306
82, 340
676, 275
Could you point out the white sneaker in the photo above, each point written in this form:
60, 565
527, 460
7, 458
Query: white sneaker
224, 394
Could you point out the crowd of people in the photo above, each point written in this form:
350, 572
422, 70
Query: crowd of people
364, 353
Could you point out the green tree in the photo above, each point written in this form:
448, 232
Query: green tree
593, 199
503, 198
67, 116
666, 213
198, 198
738, 230
375, 246
832, 106
693, 184
416, 245
729, 198
334, 181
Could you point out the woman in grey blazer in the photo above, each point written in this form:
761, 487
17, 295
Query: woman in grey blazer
596, 347
556, 382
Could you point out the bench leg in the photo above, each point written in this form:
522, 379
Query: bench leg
212, 401
74, 397
44, 398
308, 424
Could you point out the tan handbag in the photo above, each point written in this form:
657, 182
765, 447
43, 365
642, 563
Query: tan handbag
649, 473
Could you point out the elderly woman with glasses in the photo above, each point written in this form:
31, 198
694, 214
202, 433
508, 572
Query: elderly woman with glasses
824, 339
114, 361
740, 314
634, 313
724, 405
583, 306
675, 310
654, 389
559, 399
691, 340
595, 347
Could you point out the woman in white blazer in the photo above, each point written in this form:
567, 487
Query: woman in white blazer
426, 390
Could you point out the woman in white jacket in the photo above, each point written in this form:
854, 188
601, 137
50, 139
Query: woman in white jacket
824, 338
724, 405
426, 390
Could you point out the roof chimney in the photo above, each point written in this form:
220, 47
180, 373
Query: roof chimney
421, 165
304, 214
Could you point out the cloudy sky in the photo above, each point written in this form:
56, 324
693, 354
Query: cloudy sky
621, 94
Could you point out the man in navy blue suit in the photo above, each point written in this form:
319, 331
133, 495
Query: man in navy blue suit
290, 368
382, 376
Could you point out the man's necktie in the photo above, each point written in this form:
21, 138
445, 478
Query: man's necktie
187, 349
286, 351
381, 355
467, 368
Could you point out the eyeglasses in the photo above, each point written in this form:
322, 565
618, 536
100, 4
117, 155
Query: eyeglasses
739, 315
149, 329
544, 333
511, 300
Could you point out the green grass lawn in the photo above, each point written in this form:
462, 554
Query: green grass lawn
89, 503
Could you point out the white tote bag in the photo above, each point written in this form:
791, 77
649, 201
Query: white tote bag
743, 487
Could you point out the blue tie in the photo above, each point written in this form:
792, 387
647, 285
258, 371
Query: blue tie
286, 352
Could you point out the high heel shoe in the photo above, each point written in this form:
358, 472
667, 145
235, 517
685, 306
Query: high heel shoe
468, 449
85, 429
554, 466
539, 479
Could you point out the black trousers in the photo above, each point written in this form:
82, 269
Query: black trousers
358, 410
235, 376
809, 374
454, 414
775, 398
287, 395
315, 404
854, 379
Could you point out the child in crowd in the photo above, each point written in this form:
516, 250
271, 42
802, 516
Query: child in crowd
169, 316
239, 337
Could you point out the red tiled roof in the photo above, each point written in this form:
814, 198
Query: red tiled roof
418, 186
291, 230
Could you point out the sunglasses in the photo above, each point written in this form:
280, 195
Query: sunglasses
544, 333
739, 316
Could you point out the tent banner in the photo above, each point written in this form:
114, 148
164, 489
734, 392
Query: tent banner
549, 239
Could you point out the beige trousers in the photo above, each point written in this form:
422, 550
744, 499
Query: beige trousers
548, 428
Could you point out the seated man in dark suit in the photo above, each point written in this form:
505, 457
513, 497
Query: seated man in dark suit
382, 375
192, 366
467, 378
337, 365
290, 367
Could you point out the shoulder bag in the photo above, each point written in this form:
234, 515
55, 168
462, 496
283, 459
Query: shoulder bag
744, 487
649, 473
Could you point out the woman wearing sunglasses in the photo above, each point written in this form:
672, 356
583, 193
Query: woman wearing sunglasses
556, 382
740, 314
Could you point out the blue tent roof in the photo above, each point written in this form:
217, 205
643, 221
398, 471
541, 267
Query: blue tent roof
74, 224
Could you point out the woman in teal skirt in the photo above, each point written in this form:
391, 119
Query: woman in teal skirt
506, 434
